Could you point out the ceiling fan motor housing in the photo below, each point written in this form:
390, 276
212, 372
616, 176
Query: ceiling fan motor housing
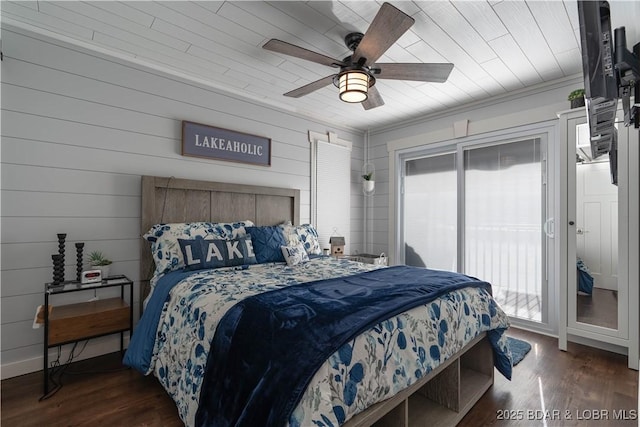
352, 40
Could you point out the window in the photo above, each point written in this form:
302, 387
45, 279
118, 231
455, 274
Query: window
331, 191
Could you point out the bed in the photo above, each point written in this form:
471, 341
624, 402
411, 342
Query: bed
430, 359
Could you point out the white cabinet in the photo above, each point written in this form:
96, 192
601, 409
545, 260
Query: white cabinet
599, 227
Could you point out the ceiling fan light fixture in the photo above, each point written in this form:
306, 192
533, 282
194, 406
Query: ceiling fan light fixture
354, 86
359, 71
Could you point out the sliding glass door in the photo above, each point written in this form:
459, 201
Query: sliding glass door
503, 216
479, 209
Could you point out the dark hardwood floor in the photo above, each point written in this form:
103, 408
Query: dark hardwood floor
583, 383
600, 308
579, 385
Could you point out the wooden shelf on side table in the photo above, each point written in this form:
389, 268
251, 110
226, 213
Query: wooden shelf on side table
73, 322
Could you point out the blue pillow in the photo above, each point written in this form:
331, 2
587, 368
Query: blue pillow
202, 253
267, 242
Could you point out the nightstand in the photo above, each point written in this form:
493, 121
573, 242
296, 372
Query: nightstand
369, 258
76, 322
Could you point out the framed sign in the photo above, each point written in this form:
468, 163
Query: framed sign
200, 140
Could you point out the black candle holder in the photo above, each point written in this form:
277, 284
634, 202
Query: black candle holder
58, 269
61, 238
79, 248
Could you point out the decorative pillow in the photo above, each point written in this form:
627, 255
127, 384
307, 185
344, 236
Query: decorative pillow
164, 240
309, 238
290, 234
201, 253
267, 242
231, 230
294, 254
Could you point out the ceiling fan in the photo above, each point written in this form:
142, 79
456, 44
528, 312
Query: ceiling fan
358, 72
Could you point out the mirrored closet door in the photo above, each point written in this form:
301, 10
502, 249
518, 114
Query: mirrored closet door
602, 238
596, 236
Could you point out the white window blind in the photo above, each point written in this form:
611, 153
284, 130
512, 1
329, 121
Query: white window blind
331, 194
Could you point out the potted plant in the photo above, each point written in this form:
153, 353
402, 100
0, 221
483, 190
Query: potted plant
368, 184
98, 261
576, 98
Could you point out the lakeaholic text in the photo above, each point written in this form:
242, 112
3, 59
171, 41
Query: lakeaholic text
228, 145
223, 144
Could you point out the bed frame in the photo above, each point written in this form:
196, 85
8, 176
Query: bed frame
442, 398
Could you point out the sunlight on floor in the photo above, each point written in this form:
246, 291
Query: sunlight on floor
518, 304
544, 421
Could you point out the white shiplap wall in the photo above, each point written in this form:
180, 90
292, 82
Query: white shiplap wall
78, 130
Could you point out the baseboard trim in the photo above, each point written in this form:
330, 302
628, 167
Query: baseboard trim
614, 348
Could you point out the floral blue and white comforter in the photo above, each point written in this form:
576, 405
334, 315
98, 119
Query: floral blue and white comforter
372, 367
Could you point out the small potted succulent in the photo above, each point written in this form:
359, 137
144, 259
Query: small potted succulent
98, 261
576, 98
368, 184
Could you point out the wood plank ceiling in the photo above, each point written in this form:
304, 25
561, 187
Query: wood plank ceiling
497, 47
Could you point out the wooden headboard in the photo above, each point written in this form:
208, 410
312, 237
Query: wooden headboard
166, 200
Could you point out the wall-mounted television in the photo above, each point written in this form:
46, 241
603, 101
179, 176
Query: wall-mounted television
600, 85
611, 72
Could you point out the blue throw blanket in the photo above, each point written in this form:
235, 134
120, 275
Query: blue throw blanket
267, 347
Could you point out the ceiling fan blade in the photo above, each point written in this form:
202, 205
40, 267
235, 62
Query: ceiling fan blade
373, 99
432, 72
300, 52
389, 24
311, 87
